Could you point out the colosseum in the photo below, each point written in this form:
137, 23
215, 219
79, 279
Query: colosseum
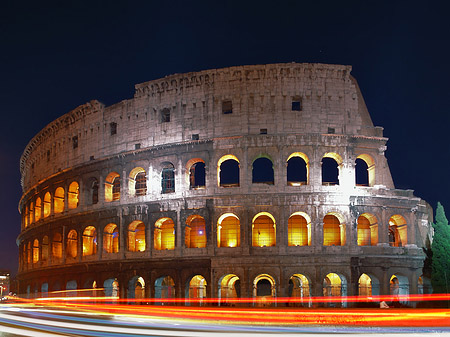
261, 181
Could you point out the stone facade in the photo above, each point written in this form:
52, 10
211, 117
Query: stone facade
162, 195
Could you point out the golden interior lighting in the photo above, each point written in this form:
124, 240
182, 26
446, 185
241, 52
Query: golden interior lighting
37, 209
57, 246
300, 286
47, 204
73, 195
263, 230
398, 231
228, 231
59, 200
197, 287
365, 285
164, 235
195, 236
36, 251
89, 241
229, 286
136, 236
299, 230
72, 243
333, 231
45, 248
332, 285
111, 238
112, 187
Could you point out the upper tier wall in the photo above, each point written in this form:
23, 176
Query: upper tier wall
261, 98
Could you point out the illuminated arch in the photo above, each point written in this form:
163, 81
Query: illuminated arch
37, 209
112, 187
111, 238
196, 289
136, 288
31, 215
58, 200
399, 286
228, 231
297, 166
299, 229
47, 204
264, 289
333, 229
369, 175
195, 173
335, 285
136, 236
398, 231
164, 234
195, 232
229, 287
367, 230
299, 288
263, 230
229, 176
72, 244
137, 182
89, 241
36, 251
73, 195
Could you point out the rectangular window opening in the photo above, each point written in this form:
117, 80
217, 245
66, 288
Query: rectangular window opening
331, 130
296, 105
195, 136
75, 142
227, 107
113, 128
263, 131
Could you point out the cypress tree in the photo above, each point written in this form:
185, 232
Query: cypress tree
440, 265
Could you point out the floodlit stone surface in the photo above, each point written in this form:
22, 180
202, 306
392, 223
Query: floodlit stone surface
243, 181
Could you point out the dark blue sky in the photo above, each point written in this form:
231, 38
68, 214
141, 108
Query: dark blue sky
58, 55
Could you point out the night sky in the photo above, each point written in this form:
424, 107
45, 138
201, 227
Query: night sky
56, 56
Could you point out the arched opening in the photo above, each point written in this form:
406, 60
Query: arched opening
136, 288
228, 171
197, 175
45, 248
44, 289
36, 251
164, 288
112, 187
136, 236
263, 230
47, 204
228, 231
297, 169
365, 285
335, 285
94, 192
195, 234
299, 288
196, 290
89, 241
26, 216
71, 288
333, 230
299, 229
424, 285
367, 230
164, 235
399, 288
331, 163
74, 194
361, 173
398, 235
37, 210
264, 290
111, 288
111, 238
31, 215
57, 245
59, 200
229, 287
29, 252
167, 178
364, 170
72, 243
262, 171
137, 182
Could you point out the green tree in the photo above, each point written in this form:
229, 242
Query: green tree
440, 265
